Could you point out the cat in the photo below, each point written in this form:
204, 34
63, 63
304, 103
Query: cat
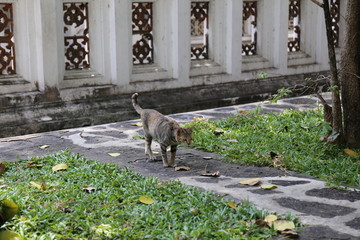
165, 130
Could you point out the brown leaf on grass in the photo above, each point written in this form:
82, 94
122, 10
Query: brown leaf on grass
194, 211
88, 188
262, 223
218, 131
2, 168
350, 152
182, 168
213, 174
251, 182
232, 141
34, 165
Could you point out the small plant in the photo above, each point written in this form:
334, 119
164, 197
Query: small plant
281, 93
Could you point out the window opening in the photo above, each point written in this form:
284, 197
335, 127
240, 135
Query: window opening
142, 34
76, 36
294, 26
7, 44
199, 30
249, 31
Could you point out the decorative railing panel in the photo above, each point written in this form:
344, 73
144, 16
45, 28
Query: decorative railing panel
142, 30
76, 35
294, 26
7, 45
199, 26
249, 31
335, 19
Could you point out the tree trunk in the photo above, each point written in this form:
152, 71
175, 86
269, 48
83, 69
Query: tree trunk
335, 84
350, 75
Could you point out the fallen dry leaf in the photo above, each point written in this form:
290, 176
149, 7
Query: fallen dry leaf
271, 218
207, 158
114, 154
261, 223
243, 111
39, 186
3, 186
34, 165
290, 234
282, 225
251, 182
9, 235
350, 152
9, 209
138, 124
194, 211
268, 187
182, 168
59, 167
218, 131
146, 200
232, 205
232, 141
2, 168
88, 188
44, 146
213, 174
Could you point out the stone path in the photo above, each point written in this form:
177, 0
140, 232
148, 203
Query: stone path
329, 213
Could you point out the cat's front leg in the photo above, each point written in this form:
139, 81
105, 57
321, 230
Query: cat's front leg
164, 155
148, 150
173, 154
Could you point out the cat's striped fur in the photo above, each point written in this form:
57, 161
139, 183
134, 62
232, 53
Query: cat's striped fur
165, 130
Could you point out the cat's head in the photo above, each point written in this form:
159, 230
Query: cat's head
184, 135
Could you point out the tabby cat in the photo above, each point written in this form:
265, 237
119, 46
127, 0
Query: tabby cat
165, 130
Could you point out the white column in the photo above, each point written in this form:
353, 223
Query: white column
234, 9
181, 32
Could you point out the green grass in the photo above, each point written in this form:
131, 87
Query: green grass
293, 136
113, 211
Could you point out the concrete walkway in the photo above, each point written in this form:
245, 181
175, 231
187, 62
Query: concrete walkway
328, 213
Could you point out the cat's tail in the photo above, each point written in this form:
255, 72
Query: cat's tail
135, 103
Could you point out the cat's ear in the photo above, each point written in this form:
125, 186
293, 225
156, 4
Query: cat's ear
179, 131
190, 129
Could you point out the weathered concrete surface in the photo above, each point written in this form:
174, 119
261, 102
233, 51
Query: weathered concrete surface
33, 112
329, 213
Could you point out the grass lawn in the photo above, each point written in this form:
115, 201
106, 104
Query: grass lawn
88, 200
288, 140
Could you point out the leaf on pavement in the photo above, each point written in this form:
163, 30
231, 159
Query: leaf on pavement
44, 146
59, 167
138, 124
282, 225
114, 154
146, 200
213, 174
290, 234
182, 168
350, 152
268, 187
251, 182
